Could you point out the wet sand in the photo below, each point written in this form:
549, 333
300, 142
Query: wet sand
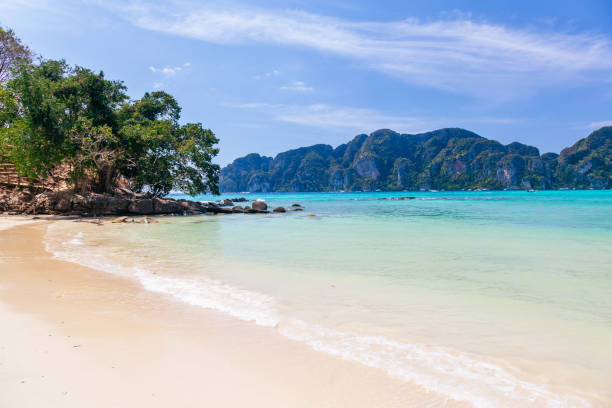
74, 337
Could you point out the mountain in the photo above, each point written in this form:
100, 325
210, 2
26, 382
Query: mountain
449, 159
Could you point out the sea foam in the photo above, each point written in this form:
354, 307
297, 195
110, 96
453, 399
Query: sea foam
448, 373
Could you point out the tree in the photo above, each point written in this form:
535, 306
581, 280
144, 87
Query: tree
45, 106
162, 154
54, 115
12, 54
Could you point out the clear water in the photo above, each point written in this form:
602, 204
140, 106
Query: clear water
491, 298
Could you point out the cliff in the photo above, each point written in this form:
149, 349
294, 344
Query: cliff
450, 159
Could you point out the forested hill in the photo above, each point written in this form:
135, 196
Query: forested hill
450, 159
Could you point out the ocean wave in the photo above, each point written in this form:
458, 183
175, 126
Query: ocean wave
458, 376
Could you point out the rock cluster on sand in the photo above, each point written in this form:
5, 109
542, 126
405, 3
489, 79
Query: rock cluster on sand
129, 220
124, 204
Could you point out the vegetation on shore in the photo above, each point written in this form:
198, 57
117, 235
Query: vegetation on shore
55, 116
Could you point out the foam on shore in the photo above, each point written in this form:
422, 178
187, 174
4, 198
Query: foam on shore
448, 373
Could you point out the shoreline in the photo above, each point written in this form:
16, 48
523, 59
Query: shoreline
71, 329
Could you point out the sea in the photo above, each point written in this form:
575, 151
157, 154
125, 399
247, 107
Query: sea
490, 298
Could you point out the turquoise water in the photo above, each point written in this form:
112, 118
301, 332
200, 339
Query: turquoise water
491, 298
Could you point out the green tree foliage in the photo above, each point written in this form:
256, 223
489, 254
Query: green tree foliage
163, 155
51, 110
12, 54
53, 114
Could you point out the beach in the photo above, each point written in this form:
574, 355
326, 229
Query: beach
74, 337
448, 300
305, 205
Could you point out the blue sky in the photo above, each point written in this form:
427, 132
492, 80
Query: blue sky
267, 76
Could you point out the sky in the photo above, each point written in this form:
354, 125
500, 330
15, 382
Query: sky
268, 76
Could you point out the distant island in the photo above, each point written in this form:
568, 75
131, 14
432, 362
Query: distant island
445, 159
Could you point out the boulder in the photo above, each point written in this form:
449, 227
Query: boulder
107, 205
80, 203
227, 202
164, 206
238, 209
119, 220
141, 206
296, 205
219, 210
63, 205
259, 205
191, 207
145, 220
279, 210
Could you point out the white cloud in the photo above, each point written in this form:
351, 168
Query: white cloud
598, 125
363, 119
273, 73
458, 54
158, 85
326, 116
169, 71
297, 86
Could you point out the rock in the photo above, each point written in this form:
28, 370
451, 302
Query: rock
259, 205
238, 209
279, 210
398, 198
297, 209
219, 210
129, 220
295, 205
227, 202
63, 205
119, 220
141, 206
80, 203
192, 207
106, 205
164, 206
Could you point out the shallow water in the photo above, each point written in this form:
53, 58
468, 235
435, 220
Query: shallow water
492, 298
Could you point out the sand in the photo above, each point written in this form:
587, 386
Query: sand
77, 337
